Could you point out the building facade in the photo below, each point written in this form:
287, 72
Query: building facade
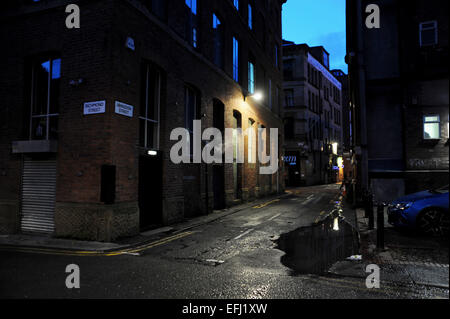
312, 115
86, 114
399, 90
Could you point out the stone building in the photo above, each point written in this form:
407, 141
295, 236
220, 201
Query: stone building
312, 114
86, 113
399, 80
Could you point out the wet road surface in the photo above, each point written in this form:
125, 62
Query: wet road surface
238, 256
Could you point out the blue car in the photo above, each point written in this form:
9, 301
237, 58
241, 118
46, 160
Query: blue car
426, 212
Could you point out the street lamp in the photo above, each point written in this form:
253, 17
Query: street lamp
257, 96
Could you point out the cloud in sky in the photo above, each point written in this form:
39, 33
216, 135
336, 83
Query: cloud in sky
317, 22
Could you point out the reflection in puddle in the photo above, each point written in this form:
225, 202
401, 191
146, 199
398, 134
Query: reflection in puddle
313, 249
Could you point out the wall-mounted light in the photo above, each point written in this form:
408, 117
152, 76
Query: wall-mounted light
257, 96
152, 153
335, 148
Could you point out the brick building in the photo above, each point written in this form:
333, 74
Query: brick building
86, 114
399, 82
312, 115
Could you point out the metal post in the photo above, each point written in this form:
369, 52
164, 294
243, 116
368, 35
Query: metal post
380, 225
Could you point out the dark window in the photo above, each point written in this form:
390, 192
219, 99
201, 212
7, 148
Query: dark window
157, 7
45, 89
288, 69
289, 128
149, 114
192, 110
428, 33
289, 98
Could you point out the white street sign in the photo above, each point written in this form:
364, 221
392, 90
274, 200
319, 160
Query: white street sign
94, 107
124, 109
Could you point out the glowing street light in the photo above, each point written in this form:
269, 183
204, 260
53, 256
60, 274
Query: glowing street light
257, 96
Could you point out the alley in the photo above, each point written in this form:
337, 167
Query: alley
232, 257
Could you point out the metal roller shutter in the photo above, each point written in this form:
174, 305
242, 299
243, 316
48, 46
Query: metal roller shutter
38, 196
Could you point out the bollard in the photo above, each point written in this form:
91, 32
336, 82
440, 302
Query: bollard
380, 225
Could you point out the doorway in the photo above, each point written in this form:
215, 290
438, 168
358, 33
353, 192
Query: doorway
150, 191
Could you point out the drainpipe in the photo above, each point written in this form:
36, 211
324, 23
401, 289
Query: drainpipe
362, 96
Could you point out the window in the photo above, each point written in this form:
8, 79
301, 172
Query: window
309, 73
192, 22
288, 69
428, 33
270, 94
158, 8
250, 16
309, 100
431, 127
45, 83
150, 107
192, 4
326, 60
251, 78
218, 41
289, 128
192, 110
235, 59
276, 55
251, 142
236, 4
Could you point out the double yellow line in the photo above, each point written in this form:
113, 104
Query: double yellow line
268, 203
64, 252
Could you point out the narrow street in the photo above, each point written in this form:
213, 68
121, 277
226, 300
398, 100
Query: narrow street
233, 257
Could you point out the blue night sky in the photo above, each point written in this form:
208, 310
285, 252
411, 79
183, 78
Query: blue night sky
317, 22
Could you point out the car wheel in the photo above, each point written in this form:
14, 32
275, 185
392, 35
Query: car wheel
434, 222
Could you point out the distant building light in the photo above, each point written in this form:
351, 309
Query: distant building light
152, 153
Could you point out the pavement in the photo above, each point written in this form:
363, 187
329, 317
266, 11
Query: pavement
407, 258
45, 243
256, 250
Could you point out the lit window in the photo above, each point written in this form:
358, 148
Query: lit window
192, 4
235, 59
192, 23
194, 37
251, 78
218, 41
236, 4
250, 16
428, 33
431, 127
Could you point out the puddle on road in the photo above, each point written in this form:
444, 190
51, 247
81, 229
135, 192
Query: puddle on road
314, 249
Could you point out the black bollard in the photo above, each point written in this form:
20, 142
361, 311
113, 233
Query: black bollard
380, 226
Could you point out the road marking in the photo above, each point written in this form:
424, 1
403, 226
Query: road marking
268, 203
129, 251
273, 217
308, 199
244, 233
